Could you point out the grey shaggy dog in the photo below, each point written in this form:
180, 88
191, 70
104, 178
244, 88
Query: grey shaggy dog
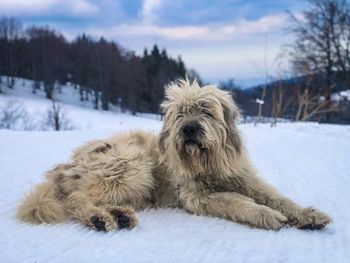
198, 163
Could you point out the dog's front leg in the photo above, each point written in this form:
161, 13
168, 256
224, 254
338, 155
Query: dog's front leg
263, 193
235, 207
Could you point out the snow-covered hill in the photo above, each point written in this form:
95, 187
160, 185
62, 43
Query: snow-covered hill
82, 114
307, 162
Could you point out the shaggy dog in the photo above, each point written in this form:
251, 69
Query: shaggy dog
197, 163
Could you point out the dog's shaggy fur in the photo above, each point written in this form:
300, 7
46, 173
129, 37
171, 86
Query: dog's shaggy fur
198, 163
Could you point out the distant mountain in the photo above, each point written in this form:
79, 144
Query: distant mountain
247, 83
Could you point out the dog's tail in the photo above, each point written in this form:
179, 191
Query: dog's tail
41, 206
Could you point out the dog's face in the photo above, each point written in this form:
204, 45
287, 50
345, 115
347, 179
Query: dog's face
199, 125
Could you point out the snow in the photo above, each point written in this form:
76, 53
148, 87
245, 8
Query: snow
259, 101
342, 95
307, 162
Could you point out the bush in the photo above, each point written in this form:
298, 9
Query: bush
13, 116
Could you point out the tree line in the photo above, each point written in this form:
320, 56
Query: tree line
102, 71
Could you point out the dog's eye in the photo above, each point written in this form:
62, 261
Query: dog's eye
207, 113
178, 117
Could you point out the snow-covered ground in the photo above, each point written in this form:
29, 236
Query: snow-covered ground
307, 162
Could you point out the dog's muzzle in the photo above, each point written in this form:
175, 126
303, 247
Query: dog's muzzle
191, 132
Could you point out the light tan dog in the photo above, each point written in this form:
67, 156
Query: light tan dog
197, 163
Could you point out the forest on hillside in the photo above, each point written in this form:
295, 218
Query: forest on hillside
103, 71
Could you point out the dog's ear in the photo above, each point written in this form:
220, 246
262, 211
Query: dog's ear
170, 93
231, 111
164, 134
231, 116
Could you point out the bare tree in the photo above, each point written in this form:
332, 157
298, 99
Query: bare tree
56, 118
260, 101
323, 45
311, 100
281, 101
265, 72
282, 96
310, 105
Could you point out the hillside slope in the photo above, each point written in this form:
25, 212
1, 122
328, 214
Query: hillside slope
81, 114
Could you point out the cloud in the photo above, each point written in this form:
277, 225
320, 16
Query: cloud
141, 30
206, 32
47, 7
13, 7
263, 25
149, 7
81, 7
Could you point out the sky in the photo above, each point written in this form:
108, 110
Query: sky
221, 39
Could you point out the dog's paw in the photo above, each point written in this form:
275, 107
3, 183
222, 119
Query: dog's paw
124, 217
102, 222
98, 223
271, 219
312, 219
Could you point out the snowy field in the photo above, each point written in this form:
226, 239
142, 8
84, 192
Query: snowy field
307, 162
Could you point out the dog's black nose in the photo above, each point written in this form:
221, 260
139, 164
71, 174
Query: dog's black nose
190, 130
